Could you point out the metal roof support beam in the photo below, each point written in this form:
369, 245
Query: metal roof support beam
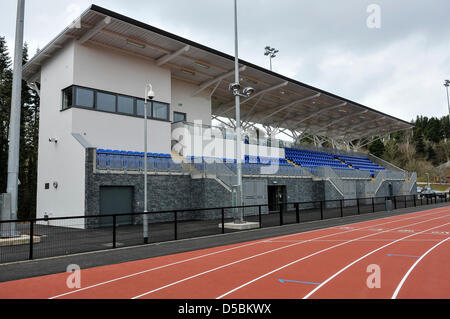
351, 129
96, 29
224, 123
215, 88
252, 97
374, 131
207, 84
249, 113
283, 107
320, 112
340, 120
166, 58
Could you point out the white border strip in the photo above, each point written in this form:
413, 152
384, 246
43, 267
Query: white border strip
394, 296
319, 252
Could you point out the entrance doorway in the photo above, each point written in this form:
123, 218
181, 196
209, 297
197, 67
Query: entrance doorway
276, 196
116, 200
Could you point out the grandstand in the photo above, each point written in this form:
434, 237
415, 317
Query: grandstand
92, 79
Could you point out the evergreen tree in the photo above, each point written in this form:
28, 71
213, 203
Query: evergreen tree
377, 148
29, 125
5, 103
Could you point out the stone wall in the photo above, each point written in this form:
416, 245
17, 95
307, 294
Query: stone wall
181, 192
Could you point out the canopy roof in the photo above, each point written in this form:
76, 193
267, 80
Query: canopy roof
278, 101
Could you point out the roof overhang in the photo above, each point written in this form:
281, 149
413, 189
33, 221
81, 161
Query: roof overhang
278, 101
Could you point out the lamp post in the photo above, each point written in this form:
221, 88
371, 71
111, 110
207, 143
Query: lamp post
236, 90
149, 95
447, 84
271, 53
14, 126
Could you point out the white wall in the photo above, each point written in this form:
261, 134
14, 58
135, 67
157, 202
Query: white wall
197, 108
111, 70
62, 162
119, 132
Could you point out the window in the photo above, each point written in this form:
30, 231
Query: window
76, 96
160, 111
67, 98
140, 108
84, 97
125, 104
179, 117
106, 102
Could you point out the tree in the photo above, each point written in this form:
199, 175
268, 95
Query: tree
5, 103
377, 148
29, 126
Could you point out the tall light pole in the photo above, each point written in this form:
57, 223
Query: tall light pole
447, 84
14, 124
149, 95
271, 53
236, 89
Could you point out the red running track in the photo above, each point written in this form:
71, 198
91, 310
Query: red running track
411, 254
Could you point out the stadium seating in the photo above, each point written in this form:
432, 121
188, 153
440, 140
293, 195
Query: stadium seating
294, 159
361, 163
305, 158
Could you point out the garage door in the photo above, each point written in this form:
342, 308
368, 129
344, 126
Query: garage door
116, 200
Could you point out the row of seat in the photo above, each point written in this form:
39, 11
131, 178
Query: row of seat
306, 158
128, 153
361, 163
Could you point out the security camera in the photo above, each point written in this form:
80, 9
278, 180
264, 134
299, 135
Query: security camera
235, 87
151, 95
248, 91
150, 92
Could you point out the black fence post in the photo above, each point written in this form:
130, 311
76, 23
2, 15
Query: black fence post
342, 208
31, 239
114, 231
373, 205
260, 216
357, 203
406, 205
395, 202
223, 220
297, 213
175, 215
321, 210
281, 214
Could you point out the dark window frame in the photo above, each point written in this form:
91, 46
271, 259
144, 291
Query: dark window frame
173, 118
75, 100
73, 103
167, 111
105, 93
128, 97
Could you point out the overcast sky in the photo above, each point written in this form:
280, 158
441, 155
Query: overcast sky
398, 68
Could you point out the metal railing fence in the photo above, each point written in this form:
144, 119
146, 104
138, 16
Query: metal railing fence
78, 234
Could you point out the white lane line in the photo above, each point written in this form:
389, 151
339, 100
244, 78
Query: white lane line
314, 254
365, 256
395, 219
254, 256
400, 285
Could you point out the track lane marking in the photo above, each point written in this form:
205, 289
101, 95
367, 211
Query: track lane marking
270, 251
400, 285
393, 219
314, 254
363, 257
